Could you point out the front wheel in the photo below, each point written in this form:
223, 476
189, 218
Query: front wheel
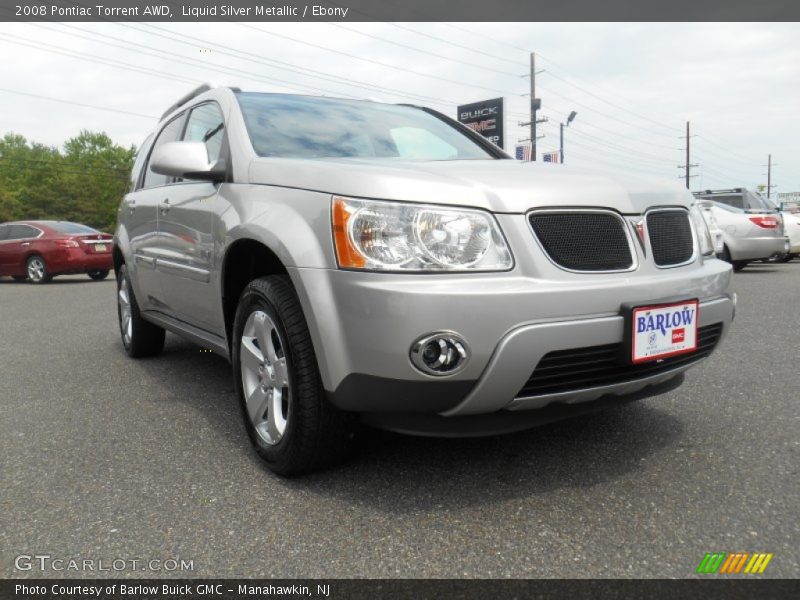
139, 337
98, 275
738, 265
290, 422
37, 270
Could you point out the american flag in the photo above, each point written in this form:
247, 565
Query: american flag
550, 157
523, 152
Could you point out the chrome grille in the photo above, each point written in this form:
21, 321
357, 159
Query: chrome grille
670, 237
583, 240
594, 366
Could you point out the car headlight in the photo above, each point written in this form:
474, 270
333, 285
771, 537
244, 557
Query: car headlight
701, 227
398, 236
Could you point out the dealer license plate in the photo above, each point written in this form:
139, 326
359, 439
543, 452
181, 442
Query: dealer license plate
100, 247
663, 330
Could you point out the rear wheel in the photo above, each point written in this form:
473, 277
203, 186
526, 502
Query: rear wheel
290, 422
37, 270
139, 337
98, 275
738, 265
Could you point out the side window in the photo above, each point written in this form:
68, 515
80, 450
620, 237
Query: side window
141, 155
3, 232
736, 201
170, 133
206, 125
22, 232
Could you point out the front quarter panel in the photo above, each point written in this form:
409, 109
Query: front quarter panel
294, 224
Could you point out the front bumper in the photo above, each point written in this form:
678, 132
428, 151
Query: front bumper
363, 325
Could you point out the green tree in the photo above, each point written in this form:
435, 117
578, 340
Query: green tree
82, 183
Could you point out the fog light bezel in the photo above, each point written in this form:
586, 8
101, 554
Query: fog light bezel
450, 337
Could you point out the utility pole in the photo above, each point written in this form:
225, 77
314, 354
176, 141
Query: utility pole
688, 166
769, 166
561, 136
536, 104
769, 174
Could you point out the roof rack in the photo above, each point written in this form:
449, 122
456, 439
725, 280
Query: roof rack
730, 191
193, 94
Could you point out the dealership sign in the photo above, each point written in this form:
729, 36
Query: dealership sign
485, 117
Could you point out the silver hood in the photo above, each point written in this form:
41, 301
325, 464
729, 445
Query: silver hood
503, 186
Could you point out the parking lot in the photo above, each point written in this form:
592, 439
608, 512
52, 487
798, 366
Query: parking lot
107, 458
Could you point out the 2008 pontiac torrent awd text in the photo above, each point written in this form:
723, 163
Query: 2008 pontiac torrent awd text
359, 261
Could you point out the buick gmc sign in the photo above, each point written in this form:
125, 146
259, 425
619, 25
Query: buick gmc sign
485, 117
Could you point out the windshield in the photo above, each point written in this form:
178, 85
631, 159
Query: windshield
67, 227
312, 127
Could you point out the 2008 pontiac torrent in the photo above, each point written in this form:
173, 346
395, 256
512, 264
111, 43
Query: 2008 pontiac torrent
359, 261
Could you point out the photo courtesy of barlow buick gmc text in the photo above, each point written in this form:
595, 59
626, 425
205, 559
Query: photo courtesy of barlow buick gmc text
396, 299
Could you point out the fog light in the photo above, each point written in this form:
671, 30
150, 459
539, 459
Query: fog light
440, 353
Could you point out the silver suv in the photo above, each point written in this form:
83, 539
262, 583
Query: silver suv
359, 261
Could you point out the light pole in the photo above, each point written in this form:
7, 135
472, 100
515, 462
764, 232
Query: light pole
570, 118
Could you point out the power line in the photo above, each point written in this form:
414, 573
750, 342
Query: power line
593, 95
462, 47
420, 50
438, 78
722, 147
196, 63
90, 58
62, 101
243, 55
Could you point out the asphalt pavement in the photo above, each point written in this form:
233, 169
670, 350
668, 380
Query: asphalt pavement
107, 458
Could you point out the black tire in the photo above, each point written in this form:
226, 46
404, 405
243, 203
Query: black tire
317, 434
36, 267
98, 275
738, 265
784, 258
726, 255
142, 338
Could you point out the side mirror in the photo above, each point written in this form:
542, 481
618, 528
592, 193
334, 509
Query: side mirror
188, 160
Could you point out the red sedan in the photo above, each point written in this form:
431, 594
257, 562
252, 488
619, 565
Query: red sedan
39, 250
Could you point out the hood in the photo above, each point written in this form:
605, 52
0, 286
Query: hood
503, 186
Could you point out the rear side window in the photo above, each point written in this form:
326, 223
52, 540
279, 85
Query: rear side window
22, 232
734, 200
171, 133
3, 232
206, 125
76, 228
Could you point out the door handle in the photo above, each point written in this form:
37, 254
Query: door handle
25, 244
164, 207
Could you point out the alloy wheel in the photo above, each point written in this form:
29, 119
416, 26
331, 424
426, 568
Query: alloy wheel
125, 320
265, 377
36, 269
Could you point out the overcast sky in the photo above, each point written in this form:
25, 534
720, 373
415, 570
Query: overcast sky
633, 85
